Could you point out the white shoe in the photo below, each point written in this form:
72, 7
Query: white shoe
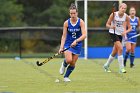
107, 69
66, 79
62, 69
122, 70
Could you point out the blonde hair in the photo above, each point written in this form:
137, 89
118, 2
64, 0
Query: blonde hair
122, 5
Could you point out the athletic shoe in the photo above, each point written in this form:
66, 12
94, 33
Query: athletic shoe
62, 69
131, 65
66, 79
107, 69
122, 70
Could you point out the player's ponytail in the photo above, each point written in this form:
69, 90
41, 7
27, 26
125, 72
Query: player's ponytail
73, 6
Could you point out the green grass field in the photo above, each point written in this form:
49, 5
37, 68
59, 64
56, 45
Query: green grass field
23, 76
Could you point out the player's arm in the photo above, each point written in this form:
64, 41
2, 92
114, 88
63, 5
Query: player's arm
138, 25
127, 25
63, 38
108, 23
84, 32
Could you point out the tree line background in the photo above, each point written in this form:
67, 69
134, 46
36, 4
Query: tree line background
33, 12
51, 13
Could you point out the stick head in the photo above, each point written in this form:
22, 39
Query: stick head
114, 7
114, 4
39, 64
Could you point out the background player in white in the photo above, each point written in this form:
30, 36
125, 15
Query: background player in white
131, 43
117, 23
74, 33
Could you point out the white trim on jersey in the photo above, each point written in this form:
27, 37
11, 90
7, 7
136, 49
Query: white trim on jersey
133, 19
75, 23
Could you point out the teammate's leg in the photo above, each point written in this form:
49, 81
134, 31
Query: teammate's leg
128, 49
111, 56
120, 56
132, 56
110, 59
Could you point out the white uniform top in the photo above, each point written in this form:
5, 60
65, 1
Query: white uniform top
118, 22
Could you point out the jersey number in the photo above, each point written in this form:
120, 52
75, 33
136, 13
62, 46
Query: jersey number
73, 35
133, 27
118, 25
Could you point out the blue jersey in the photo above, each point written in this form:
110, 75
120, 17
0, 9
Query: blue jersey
134, 24
73, 33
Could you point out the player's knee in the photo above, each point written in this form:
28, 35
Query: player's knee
132, 51
132, 54
128, 49
69, 61
121, 49
113, 54
72, 64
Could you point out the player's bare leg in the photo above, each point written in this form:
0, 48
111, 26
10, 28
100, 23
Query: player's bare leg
110, 59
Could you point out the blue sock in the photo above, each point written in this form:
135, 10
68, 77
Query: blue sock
126, 56
65, 63
132, 58
69, 70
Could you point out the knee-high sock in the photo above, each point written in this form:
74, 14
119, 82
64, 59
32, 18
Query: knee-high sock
69, 71
65, 63
126, 56
109, 61
132, 58
120, 60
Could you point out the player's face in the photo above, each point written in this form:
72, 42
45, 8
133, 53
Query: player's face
132, 12
123, 8
73, 13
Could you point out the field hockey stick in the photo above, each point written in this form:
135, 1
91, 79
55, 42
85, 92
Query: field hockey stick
113, 10
134, 36
48, 59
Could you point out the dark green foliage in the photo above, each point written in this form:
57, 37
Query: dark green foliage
43, 13
10, 13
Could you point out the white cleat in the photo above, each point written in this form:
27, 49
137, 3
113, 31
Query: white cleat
62, 69
107, 69
66, 79
122, 70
